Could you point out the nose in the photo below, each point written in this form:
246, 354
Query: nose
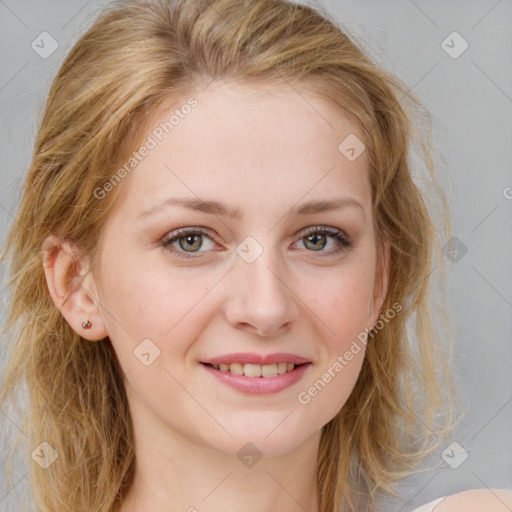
261, 300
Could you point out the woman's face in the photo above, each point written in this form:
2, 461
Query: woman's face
272, 284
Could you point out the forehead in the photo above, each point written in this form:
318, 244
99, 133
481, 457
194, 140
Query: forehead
250, 146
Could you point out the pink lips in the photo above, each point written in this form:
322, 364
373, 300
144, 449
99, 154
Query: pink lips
258, 385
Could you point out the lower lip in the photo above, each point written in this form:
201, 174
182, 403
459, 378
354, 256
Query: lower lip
259, 385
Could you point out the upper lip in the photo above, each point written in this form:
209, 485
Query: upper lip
251, 358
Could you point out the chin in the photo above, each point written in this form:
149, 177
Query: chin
272, 434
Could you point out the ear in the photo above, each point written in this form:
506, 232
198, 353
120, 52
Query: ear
72, 287
380, 287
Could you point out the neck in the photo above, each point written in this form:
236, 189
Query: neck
173, 473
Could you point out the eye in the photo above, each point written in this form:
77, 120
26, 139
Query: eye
183, 241
316, 239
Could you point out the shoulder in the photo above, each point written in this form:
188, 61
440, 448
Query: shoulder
475, 500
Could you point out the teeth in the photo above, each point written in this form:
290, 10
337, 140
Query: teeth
269, 370
236, 368
255, 370
252, 370
281, 368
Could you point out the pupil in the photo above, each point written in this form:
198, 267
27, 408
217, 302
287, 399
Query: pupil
190, 239
315, 238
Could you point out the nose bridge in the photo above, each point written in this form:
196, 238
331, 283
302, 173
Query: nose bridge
266, 279
260, 298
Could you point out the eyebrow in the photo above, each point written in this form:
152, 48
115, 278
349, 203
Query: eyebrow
220, 209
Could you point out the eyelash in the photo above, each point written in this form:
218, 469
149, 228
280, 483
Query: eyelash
169, 239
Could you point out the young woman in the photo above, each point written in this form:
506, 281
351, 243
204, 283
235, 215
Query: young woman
221, 268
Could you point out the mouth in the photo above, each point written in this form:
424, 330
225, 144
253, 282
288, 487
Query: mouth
255, 370
257, 375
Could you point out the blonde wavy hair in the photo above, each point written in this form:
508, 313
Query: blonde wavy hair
135, 58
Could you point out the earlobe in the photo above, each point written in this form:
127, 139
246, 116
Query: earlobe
72, 288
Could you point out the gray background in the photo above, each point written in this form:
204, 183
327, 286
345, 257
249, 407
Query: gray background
470, 98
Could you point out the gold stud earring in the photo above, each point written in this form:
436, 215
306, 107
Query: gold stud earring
87, 324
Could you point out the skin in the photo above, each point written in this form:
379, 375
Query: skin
264, 154
477, 500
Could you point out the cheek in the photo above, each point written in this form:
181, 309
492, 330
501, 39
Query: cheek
154, 302
151, 299
341, 301
330, 384
342, 305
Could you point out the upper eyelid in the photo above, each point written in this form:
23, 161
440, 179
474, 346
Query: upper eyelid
178, 233
181, 232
